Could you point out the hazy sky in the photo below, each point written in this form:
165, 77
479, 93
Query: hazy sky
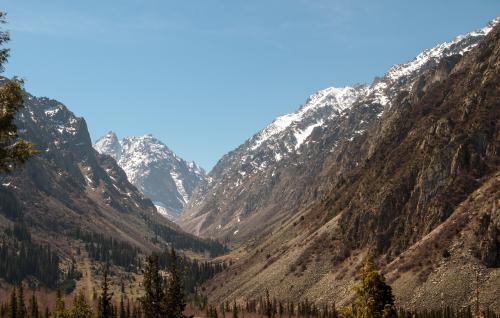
205, 75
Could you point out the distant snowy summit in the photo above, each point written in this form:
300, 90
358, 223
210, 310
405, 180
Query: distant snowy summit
162, 176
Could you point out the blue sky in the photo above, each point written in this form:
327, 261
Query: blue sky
205, 75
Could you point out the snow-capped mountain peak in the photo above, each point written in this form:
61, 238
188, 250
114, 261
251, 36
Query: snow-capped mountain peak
110, 145
154, 169
331, 100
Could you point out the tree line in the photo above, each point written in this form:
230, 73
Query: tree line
21, 258
109, 250
163, 297
183, 241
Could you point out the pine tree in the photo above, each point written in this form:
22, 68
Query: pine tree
235, 310
212, 312
60, 307
105, 307
123, 313
13, 151
174, 294
268, 306
152, 301
33, 307
81, 308
21, 307
13, 304
374, 297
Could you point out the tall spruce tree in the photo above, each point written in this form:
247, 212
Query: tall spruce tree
152, 301
13, 151
104, 308
21, 307
33, 307
59, 310
123, 313
235, 310
81, 308
13, 304
374, 297
175, 302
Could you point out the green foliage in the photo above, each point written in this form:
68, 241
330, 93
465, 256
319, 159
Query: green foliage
194, 272
186, 242
21, 258
60, 310
104, 309
374, 297
107, 249
163, 297
13, 151
21, 306
4, 38
175, 302
33, 307
212, 312
154, 295
235, 310
13, 304
81, 308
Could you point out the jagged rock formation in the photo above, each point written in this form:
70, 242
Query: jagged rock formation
409, 171
155, 170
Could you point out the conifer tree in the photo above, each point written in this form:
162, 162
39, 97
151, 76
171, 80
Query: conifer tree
81, 308
21, 307
128, 309
105, 306
13, 304
33, 307
59, 310
212, 312
13, 151
174, 293
268, 308
235, 310
123, 313
152, 301
374, 297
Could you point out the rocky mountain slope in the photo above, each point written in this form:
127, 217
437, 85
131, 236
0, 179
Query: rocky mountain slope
155, 170
70, 188
279, 170
409, 172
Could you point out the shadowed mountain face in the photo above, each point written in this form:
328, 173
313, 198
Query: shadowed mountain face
155, 170
408, 171
70, 187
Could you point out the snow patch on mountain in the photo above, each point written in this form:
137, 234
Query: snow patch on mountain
460, 45
336, 99
302, 135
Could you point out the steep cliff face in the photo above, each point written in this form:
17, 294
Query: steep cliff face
69, 186
282, 169
415, 182
162, 176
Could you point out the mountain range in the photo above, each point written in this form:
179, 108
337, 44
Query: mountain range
155, 170
404, 171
